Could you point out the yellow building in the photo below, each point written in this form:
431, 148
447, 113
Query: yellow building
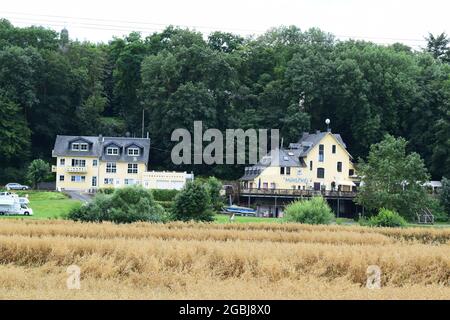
86, 163
318, 161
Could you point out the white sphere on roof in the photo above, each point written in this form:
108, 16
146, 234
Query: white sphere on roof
327, 121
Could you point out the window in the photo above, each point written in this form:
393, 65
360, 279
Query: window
94, 181
61, 178
272, 185
351, 172
62, 162
310, 166
132, 168
83, 146
339, 166
94, 163
320, 173
321, 155
288, 170
112, 151
108, 181
281, 170
265, 185
78, 178
111, 167
133, 151
129, 182
78, 163
75, 146
333, 148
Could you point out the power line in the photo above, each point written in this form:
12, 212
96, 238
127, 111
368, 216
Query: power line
127, 26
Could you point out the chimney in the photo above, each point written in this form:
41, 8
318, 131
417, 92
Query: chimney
100, 138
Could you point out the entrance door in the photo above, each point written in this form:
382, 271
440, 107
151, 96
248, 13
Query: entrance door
317, 186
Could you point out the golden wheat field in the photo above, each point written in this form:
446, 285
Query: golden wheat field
220, 261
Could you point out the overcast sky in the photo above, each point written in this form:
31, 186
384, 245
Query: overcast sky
381, 21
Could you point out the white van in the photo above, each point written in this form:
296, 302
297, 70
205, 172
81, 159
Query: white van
11, 204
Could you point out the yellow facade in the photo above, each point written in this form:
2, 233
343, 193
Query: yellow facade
95, 174
306, 177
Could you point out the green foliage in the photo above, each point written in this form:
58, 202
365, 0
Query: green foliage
164, 194
125, 205
38, 171
106, 190
214, 186
314, 211
387, 218
193, 203
393, 179
444, 195
287, 78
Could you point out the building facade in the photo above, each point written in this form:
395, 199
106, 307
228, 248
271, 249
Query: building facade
86, 163
318, 161
317, 164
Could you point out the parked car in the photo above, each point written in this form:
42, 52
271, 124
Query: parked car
16, 186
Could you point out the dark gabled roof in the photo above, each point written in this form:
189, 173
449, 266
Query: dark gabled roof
291, 157
80, 139
97, 146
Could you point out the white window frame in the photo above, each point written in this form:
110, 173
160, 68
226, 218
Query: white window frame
84, 145
95, 163
112, 151
79, 163
108, 181
77, 148
111, 167
134, 151
62, 162
61, 178
133, 168
81, 179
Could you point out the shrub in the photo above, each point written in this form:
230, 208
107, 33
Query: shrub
125, 205
106, 190
193, 203
387, 218
214, 186
314, 211
164, 194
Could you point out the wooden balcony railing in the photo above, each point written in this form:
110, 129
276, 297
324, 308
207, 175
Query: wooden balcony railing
300, 193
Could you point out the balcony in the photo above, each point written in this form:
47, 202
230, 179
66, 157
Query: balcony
76, 169
297, 193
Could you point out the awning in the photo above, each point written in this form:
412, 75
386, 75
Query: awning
346, 183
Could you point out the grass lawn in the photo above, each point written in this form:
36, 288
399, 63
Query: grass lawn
224, 218
48, 205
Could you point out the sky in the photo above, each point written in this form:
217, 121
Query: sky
381, 21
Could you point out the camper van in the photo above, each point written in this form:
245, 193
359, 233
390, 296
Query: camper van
12, 204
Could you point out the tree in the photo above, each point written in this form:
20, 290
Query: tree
438, 46
38, 170
444, 195
214, 187
193, 203
392, 179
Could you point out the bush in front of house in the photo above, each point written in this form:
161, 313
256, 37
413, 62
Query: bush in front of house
387, 218
125, 205
164, 194
314, 211
193, 203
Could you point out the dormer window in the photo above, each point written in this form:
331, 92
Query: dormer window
112, 151
76, 146
133, 151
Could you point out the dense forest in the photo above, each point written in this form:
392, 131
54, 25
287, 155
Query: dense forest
287, 79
